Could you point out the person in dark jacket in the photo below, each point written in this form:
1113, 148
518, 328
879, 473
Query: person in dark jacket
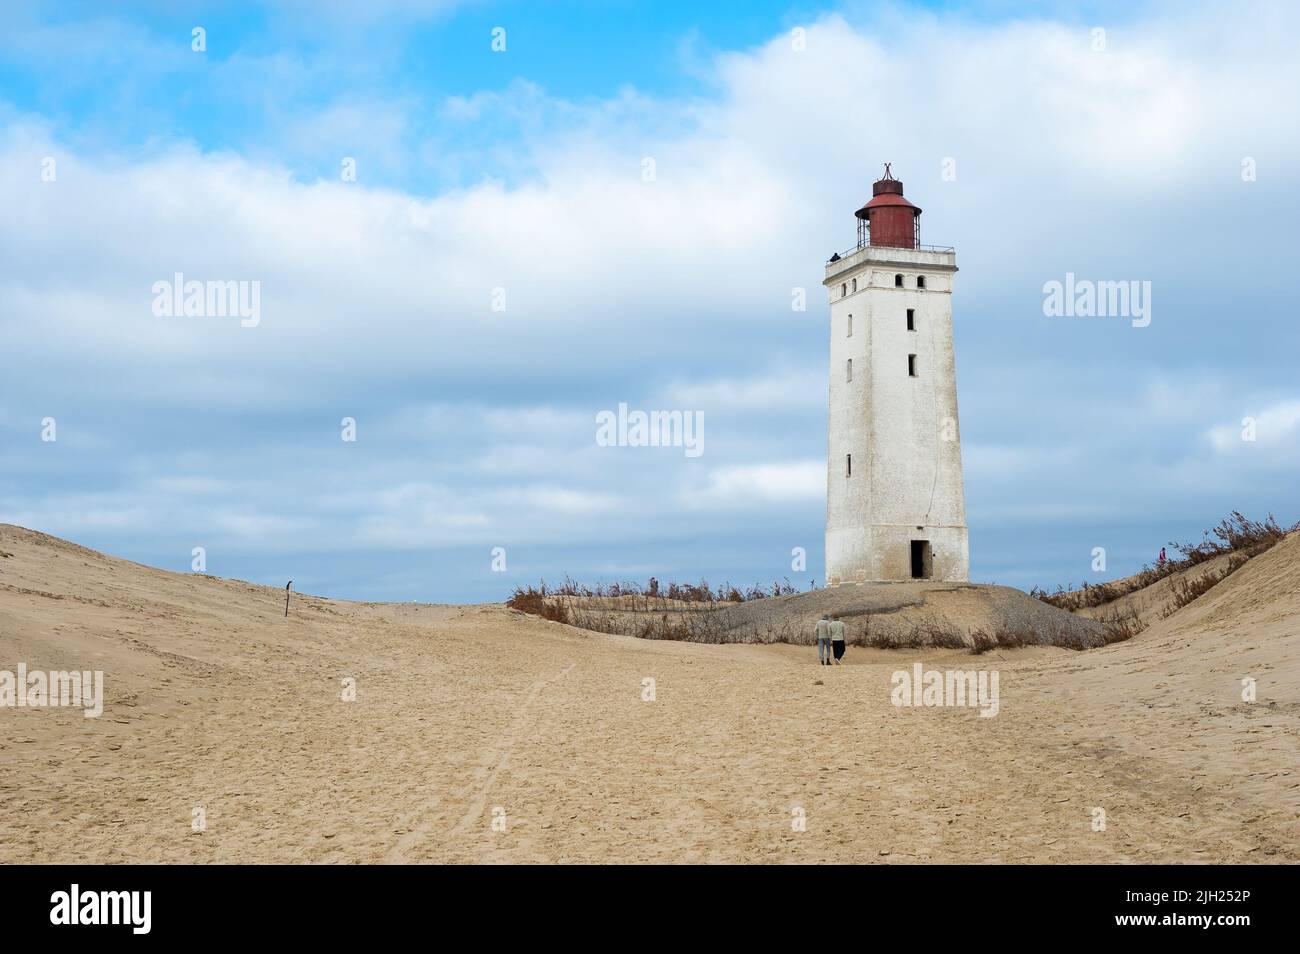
837, 638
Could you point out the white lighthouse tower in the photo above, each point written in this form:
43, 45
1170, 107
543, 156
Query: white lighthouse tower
895, 507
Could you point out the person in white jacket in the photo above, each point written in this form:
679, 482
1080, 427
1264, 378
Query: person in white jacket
824, 639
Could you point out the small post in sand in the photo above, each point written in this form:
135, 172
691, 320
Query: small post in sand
286, 598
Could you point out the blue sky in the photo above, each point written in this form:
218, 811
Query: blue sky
522, 170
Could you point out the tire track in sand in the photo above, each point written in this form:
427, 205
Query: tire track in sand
491, 765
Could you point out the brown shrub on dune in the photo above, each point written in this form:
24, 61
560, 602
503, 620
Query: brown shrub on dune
1235, 534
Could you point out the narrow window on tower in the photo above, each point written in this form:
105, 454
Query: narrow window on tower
850, 334
855, 284
848, 465
844, 289
848, 370
920, 281
911, 365
898, 281
911, 319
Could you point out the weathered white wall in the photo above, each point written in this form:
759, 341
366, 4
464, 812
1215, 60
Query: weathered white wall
902, 431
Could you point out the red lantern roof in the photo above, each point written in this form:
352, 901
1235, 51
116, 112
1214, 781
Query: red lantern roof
887, 192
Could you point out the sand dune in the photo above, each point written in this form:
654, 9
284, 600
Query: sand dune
894, 609
1151, 603
213, 700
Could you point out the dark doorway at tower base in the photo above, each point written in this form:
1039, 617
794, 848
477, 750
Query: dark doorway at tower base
922, 560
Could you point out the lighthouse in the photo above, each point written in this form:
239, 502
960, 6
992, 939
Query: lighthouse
895, 507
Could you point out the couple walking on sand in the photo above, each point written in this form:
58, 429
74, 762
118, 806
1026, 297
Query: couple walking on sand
830, 633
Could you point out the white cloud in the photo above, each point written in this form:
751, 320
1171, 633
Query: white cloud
1276, 430
777, 389
745, 486
563, 501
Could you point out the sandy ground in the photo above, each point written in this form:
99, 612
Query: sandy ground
215, 701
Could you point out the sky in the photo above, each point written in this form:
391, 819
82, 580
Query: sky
474, 227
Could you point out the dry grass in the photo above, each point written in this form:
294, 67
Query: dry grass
660, 618
1189, 590
1001, 638
1235, 534
687, 612
1121, 625
1006, 637
678, 611
535, 603
928, 632
652, 596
